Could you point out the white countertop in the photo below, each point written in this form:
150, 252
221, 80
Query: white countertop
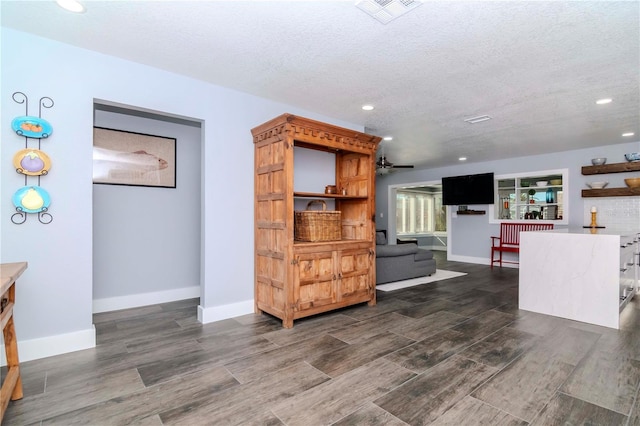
571, 273
590, 231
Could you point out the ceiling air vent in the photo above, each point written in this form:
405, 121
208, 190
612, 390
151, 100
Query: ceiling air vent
387, 10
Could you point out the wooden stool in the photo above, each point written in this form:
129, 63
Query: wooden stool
12, 386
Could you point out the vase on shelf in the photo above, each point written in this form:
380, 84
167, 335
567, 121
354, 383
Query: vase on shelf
549, 196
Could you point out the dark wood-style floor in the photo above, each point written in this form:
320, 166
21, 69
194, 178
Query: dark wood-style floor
455, 352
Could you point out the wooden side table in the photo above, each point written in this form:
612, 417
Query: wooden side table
12, 386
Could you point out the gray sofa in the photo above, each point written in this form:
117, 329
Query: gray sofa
402, 261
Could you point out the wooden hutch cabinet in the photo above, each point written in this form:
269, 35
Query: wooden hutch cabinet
295, 279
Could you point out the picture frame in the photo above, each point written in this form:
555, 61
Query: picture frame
134, 159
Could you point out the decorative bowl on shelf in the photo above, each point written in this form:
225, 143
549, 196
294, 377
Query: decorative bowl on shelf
330, 189
633, 182
597, 185
555, 181
632, 156
542, 183
598, 161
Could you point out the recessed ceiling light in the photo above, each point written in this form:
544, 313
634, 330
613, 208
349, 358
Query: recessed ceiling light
604, 101
388, 138
462, 159
626, 135
478, 119
71, 5
367, 107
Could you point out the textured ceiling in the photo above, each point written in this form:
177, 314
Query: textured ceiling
535, 67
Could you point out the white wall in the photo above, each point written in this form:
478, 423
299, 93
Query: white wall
54, 297
470, 235
146, 240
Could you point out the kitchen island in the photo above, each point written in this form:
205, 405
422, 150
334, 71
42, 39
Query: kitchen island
586, 275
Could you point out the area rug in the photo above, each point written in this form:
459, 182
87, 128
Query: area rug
439, 275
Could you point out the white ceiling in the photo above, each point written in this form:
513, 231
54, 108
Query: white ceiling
535, 67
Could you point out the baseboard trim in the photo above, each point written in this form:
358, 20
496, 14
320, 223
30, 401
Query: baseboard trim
143, 299
217, 313
468, 259
44, 347
479, 260
507, 265
435, 248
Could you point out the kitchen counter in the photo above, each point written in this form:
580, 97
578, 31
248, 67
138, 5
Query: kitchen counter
577, 273
595, 231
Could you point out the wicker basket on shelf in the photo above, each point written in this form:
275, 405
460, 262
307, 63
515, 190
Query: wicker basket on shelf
317, 225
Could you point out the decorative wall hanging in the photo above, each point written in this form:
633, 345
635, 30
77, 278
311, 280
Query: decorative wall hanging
31, 127
128, 158
31, 162
31, 199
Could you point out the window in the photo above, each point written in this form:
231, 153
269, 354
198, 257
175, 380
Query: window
420, 211
533, 195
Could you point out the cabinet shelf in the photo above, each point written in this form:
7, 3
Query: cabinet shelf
611, 168
332, 196
515, 194
610, 192
323, 244
536, 187
536, 205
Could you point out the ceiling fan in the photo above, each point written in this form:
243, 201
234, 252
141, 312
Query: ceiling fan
384, 166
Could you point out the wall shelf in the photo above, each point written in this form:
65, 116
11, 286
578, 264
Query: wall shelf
633, 166
470, 212
611, 192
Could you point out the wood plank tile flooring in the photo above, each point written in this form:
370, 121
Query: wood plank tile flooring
454, 352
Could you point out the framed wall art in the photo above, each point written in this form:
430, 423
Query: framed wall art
128, 158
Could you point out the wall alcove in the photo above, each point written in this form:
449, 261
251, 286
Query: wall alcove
146, 240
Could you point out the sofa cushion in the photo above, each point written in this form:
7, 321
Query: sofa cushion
423, 255
381, 238
397, 250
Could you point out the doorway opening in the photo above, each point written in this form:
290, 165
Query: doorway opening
416, 214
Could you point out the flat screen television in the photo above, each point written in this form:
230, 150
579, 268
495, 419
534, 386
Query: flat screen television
468, 189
